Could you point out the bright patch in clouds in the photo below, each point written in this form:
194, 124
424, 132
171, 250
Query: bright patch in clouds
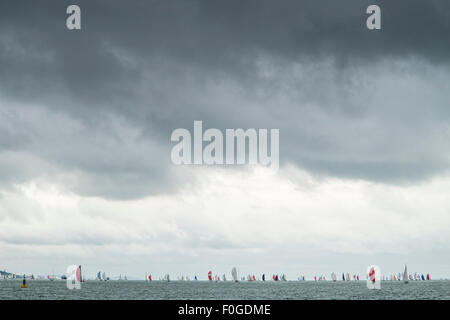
221, 217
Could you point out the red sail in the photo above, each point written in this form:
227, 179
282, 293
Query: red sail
150, 277
78, 274
210, 275
372, 275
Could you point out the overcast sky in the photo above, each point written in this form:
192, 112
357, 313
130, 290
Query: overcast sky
86, 118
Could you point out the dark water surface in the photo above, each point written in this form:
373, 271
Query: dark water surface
37, 289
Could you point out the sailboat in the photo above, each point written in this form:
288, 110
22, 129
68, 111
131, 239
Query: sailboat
405, 275
347, 277
99, 275
428, 276
263, 277
210, 275
234, 274
333, 276
224, 277
343, 277
78, 274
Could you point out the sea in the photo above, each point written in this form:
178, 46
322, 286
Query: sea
205, 290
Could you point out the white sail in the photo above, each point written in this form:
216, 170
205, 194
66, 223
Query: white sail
405, 275
234, 274
333, 276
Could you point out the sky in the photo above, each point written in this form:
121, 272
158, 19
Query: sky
86, 118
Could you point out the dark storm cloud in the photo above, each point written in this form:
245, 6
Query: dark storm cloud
218, 36
310, 68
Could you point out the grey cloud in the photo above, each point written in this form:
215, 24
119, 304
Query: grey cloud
349, 102
103, 61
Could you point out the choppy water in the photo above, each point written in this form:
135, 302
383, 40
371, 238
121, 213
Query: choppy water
225, 290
